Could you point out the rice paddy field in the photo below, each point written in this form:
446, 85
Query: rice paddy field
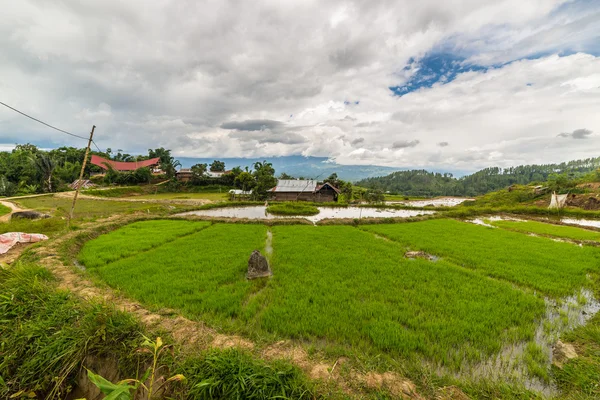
540, 228
351, 291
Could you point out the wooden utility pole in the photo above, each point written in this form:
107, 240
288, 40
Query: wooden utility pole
80, 181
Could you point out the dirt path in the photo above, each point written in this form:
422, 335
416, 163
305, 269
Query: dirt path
195, 334
14, 208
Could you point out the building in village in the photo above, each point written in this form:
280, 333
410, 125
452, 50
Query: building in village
306, 190
123, 166
184, 175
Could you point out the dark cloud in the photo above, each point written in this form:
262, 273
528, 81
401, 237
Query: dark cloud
358, 141
403, 144
576, 134
443, 144
268, 136
252, 125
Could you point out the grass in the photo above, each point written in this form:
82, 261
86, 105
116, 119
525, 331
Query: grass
556, 269
138, 237
233, 374
115, 192
86, 208
186, 196
48, 226
322, 291
45, 334
292, 209
540, 228
48, 336
198, 274
4, 210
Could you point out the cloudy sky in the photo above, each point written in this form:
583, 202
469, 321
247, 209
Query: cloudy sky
457, 84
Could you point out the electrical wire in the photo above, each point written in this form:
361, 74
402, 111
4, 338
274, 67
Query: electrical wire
48, 125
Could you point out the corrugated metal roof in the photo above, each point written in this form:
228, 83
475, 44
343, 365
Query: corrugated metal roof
295, 185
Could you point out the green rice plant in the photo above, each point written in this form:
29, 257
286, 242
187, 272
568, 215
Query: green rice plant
540, 228
556, 269
341, 286
135, 238
235, 374
292, 209
198, 274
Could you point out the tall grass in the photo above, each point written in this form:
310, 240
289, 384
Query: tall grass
540, 228
557, 269
234, 374
45, 334
115, 192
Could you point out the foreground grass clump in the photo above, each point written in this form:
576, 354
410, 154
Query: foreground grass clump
292, 209
199, 274
135, 238
540, 228
557, 269
233, 374
45, 334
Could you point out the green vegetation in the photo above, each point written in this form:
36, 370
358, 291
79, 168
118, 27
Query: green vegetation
540, 228
557, 269
424, 183
86, 208
232, 374
135, 238
47, 226
46, 334
4, 210
321, 290
292, 209
115, 192
216, 196
200, 274
368, 296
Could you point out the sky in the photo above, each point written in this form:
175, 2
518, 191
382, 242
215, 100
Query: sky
433, 84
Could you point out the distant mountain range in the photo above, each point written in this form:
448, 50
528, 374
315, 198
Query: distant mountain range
300, 166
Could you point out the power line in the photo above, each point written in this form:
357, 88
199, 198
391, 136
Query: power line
48, 125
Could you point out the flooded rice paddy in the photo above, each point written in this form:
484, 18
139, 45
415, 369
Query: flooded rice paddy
260, 212
437, 202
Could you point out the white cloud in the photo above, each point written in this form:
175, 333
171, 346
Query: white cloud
175, 74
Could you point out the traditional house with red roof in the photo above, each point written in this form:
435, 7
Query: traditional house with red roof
122, 166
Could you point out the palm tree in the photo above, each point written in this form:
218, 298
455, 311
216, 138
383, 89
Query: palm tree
45, 166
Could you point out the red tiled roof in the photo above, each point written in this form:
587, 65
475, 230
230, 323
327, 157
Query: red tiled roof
123, 166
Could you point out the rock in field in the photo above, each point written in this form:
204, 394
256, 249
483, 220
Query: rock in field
562, 353
258, 266
29, 215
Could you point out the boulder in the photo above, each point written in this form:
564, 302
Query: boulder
29, 215
258, 267
562, 353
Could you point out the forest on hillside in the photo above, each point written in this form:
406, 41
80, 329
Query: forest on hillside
425, 183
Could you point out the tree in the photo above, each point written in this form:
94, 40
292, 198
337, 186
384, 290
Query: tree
264, 174
45, 166
167, 163
217, 166
374, 196
245, 181
198, 172
283, 175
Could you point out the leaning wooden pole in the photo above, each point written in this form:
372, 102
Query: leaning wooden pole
80, 181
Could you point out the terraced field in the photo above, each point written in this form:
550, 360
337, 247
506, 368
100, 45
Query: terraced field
351, 290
